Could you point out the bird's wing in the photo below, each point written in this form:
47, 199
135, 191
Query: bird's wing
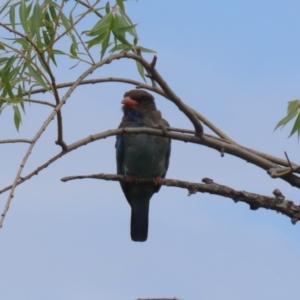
120, 154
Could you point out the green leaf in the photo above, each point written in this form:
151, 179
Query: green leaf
12, 16
20, 96
296, 126
146, 50
23, 42
17, 117
107, 8
123, 26
105, 44
22, 15
3, 60
96, 41
119, 47
37, 76
101, 25
46, 38
121, 38
7, 86
121, 5
65, 21
53, 13
285, 120
35, 20
141, 70
8, 65
2, 46
292, 111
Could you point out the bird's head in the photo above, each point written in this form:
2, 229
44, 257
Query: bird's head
138, 102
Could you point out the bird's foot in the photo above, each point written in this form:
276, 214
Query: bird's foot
157, 180
130, 178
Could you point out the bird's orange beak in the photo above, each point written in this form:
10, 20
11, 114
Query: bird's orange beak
129, 102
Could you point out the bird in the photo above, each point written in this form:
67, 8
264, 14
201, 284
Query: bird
141, 156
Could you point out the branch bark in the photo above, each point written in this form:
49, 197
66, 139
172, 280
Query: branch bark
255, 201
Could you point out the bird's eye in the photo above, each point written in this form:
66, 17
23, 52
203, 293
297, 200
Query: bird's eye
145, 99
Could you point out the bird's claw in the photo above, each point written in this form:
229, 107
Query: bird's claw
130, 178
157, 180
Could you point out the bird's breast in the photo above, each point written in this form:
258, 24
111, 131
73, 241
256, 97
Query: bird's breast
145, 155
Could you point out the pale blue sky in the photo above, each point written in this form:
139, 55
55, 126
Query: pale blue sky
236, 62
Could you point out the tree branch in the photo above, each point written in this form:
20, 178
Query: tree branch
138, 84
38, 102
153, 74
255, 201
11, 141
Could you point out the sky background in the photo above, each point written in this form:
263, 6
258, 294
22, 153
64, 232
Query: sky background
237, 63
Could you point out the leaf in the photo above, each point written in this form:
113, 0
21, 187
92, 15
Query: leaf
118, 47
3, 60
146, 50
100, 25
96, 41
20, 96
35, 20
140, 68
7, 86
37, 77
296, 126
17, 117
23, 42
121, 5
121, 38
122, 25
12, 16
105, 44
285, 120
22, 15
107, 7
292, 111
65, 21
53, 13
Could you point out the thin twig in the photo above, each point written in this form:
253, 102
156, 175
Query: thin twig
38, 102
287, 158
101, 80
88, 6
84, 46
12, 141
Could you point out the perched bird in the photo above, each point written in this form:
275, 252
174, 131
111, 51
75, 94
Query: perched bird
141, 156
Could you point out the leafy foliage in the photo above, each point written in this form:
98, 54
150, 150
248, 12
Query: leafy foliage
293, 111
35, 28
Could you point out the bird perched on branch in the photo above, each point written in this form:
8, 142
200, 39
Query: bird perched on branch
141, 156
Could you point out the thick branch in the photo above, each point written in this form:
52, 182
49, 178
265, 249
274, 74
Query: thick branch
38, 102
255, 201
212, 142
271, 158
208, 141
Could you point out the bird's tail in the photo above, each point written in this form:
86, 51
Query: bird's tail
139, 220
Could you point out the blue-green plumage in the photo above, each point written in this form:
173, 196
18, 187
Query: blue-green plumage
141, 156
